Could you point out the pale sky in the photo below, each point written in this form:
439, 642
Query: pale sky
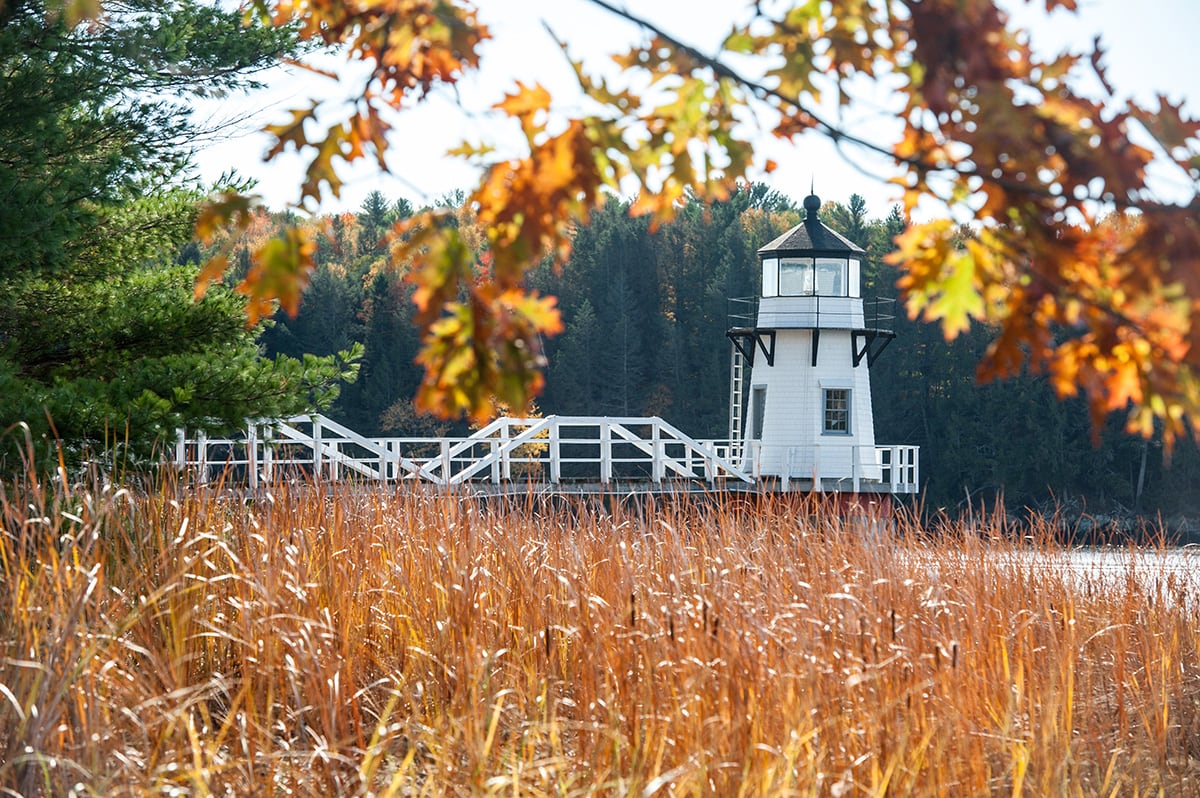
1151, 48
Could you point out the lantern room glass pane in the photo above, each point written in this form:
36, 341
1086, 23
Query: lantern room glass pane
831, 276
855, 289
796, 277
770, 277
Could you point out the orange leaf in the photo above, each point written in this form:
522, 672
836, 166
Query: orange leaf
279, 270
291, 132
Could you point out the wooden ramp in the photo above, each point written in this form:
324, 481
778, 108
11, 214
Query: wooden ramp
568, 454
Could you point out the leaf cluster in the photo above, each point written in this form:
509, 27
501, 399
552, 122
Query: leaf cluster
989, 127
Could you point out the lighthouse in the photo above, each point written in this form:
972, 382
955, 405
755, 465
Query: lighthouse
800, 385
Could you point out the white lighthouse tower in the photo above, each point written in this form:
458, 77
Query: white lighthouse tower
800, 398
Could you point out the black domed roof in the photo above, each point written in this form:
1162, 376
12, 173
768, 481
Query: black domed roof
810, 237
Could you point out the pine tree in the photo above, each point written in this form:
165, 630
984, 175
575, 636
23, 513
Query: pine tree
100, 341
374, 218
388, 373
573, 381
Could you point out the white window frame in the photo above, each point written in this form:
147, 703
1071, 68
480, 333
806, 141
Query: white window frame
826, 410
803, 276
835, 272
796, 270
770, 277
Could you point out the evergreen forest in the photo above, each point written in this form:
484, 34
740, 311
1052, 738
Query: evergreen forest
645, 314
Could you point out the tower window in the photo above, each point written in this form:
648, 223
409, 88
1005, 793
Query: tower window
807, 276
796, 277
770, 277
831, 276
837, 411
758, 409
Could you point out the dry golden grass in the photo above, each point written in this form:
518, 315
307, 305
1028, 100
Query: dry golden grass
352, 641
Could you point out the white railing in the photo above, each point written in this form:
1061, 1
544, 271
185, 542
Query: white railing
874, 469
552, 449
901, 469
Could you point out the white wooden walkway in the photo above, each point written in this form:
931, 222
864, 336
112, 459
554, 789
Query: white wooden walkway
555, 454
508, 451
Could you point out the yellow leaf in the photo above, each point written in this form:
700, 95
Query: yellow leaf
527, 101
76, 11
958, 297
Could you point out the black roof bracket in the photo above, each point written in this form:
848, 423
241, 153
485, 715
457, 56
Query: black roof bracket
869, 344
749, 339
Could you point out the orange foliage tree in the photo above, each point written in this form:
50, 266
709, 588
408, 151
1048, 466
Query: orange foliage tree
1103, 309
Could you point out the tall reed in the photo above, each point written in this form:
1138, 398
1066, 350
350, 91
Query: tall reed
343, 640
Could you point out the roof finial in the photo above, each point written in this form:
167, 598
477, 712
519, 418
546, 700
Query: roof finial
812, 203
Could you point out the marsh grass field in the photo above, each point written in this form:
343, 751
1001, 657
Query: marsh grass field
336, 640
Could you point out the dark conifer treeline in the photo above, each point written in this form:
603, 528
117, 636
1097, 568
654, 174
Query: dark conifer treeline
645, 317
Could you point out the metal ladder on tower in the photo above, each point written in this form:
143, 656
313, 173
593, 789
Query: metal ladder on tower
737, 404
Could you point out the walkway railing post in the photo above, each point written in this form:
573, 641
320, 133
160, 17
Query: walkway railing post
202, 457
268, 453
252, 455
605, 452
318, 454
555, 462
897, 464
657, 466
505, 454
855, 466
445, 455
